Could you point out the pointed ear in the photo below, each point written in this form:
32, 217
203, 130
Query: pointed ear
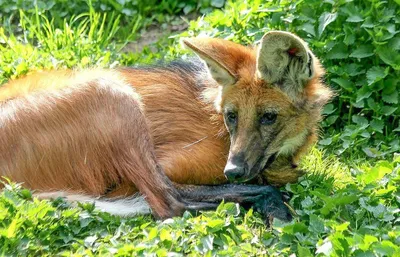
284, 60
215, 54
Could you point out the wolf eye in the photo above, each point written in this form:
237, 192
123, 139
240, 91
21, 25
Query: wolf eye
231, 117
268, 118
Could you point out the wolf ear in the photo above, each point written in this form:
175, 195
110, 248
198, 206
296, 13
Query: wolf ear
285, 61
214, 52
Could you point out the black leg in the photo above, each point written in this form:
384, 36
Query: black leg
264, 199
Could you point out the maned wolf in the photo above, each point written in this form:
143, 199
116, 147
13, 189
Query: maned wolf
242, 114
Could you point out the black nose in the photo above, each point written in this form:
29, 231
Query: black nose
235, 168
233, 172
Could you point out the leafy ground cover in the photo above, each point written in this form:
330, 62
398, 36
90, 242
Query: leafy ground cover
345, 205
340, 212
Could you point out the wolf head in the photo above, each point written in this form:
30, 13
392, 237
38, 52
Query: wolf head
270, 96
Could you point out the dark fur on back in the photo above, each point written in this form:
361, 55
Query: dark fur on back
189, 69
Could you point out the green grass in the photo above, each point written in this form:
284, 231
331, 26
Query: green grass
340, 212
345, 206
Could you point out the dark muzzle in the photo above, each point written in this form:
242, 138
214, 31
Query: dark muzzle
236, 168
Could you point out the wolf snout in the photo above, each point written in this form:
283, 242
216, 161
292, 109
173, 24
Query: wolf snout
236, 168
234, 172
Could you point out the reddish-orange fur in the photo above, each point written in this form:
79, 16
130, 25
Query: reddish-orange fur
115, 132
180, 126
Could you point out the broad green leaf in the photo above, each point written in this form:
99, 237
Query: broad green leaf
388, 110
231, 209
359, 104
165, 235
163, 253
344, 83
152, 234
21, 68
363, 92
389, 56
308, 202
89, 241
360, 120
377, 125
359, 253
394, 43
328, 109
339, 51
207, 242
375, 174
363, 51
354, 69
298, 227
390, 92
355, 18
217, 3
376, 73
12, 228
368, 23
324, 20
389, 190
342, 227
84, 221
367, 242
345, 199
349, 39
386, 248
349, 35
303, 251
309, 28
371, 152
331, 119
216, 224
392, 98
373, 105
365, 134
325, 141
316, 224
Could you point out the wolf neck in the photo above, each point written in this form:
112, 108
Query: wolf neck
210, 95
